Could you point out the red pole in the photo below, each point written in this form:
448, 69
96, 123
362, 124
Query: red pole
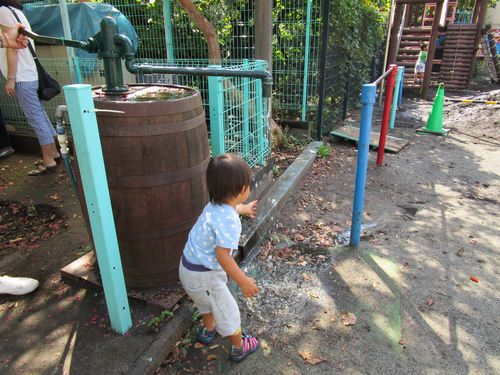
391, 81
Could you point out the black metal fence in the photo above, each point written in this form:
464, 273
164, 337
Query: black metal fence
347, 59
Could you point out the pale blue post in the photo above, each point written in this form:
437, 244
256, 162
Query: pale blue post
400, 95
260, 121
95, 186
368, 93
246, 110
216, 102
395, 97
306, 60
169, 39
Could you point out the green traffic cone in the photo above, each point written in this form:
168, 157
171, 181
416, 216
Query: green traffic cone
435, 121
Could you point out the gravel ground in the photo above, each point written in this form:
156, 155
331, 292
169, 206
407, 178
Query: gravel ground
419, 296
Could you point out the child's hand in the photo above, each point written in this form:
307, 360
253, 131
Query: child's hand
249, 209
249, 288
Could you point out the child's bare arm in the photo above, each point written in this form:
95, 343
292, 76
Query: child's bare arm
228, 264
249, 209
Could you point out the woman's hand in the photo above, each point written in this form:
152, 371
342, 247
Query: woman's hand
249, 209
13, 39
248, 287
10, 87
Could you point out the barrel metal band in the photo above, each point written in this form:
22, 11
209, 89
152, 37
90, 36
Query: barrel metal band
156, 233
117, 129
157, 179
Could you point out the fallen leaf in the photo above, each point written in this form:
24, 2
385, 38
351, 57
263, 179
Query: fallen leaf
473, 278
313, 296
198, 345
402, 342
311, 358
349, 319
214, 346
211, 357
430, 302
333, 319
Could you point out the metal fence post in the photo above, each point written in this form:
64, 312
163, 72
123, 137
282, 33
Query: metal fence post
368, 93
74, 66
322, 67
169, 39
95, 186
260, 121
216, 102
395, 98
306, 60
246, 110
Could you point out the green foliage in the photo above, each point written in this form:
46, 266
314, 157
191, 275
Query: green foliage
159, 320
325, 150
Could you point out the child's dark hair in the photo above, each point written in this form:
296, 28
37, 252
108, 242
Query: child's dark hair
227, 175
422, 46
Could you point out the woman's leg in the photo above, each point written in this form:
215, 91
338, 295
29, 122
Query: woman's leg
26, 93
4, 136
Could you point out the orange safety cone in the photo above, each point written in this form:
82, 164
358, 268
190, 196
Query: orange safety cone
435, 122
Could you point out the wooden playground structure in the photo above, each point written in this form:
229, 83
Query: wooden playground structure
452, 39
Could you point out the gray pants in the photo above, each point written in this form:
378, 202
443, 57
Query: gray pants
210, 294
27, 96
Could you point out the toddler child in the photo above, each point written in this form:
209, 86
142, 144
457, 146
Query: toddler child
207, 258
420, 65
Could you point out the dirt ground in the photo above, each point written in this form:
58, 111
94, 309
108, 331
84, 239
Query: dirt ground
419, 296
403, 303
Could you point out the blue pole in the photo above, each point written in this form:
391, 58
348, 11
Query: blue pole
400, 96
395, 98
95, 186
260, 121
368, 93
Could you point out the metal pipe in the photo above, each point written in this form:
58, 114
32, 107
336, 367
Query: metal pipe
264, 75
368, 94
62, 138
383, 76
395, 97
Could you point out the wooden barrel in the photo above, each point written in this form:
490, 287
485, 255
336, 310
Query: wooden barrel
156, 154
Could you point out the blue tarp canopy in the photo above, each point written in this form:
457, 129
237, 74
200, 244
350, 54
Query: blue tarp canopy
84, 19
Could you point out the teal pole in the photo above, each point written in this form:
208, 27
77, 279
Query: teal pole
401, 87
260, 121
95, 186
306, 60
246, 110
216, 103
169, 38
395, 97
368, 94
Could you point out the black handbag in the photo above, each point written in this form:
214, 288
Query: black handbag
48, 87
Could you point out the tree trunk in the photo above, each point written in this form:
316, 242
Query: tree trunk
206, 28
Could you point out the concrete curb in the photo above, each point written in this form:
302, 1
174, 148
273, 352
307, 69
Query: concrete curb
273, 201
269, 207
153, 356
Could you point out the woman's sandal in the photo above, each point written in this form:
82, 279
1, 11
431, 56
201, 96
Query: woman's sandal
42, 169
250, 345
205, 336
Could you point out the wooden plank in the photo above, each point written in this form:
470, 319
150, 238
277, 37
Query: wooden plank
84, 270
393, 144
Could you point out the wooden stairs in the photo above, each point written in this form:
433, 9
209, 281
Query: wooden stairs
408, 51
458, 55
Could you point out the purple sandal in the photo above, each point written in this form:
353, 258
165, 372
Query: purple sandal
205, 336
250, 345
